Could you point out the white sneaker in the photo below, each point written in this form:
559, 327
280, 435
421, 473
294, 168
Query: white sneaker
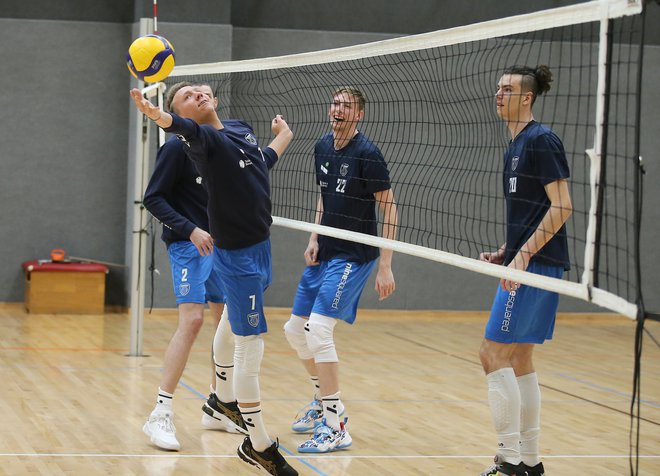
160, 428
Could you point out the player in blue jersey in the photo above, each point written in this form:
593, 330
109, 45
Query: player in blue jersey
235, 170
538, 203
177, 198
353, 178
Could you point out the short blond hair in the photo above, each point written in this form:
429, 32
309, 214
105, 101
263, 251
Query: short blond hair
172, 92
353, 91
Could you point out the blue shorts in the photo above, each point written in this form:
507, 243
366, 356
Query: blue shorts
192, 275
246, 273
525, 316
332, 289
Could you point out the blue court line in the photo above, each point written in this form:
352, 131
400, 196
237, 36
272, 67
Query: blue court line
607, 389
283, 448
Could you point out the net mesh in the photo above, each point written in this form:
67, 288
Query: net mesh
432, 113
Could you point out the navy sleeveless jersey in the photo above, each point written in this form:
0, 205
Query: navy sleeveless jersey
176, 195
235, 171
533, 159
348, 179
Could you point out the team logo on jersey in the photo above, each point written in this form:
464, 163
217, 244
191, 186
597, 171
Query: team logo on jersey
514, 162
250, 138
184, 289
183, 139
253, 319
244, 163
198, 180
343, 170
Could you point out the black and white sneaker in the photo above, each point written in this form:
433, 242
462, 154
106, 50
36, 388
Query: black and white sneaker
270, 460
222, 416
537, 470
504, 468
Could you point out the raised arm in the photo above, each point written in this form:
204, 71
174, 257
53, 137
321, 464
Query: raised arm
283, 135
161, 118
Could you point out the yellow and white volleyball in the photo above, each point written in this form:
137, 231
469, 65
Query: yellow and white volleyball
150, 58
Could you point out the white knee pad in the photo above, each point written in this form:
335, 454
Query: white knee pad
223, 342
247, 362
319, 330
294, 330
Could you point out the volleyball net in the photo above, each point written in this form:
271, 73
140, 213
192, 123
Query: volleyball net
431, 110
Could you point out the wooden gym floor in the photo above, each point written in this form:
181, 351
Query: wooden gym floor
72, 402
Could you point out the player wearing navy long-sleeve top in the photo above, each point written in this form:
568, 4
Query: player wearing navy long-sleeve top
176, 196
538, 203
353, 178
235, 171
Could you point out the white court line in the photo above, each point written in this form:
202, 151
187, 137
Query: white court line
331, 456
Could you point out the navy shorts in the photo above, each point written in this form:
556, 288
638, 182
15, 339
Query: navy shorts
246, 274
527, 315
332, 289
192, 275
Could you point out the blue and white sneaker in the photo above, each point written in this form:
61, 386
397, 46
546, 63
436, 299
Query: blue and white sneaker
326, 439
312, 414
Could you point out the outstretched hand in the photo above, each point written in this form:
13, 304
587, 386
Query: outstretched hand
144, 105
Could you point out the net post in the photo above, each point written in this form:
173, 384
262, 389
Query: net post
590, 242
596, 156
138, 248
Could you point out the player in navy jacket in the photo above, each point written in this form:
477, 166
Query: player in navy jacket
235, 170
538, 203
353, 179
176, 196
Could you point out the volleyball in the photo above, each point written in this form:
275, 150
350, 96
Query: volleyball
150, 58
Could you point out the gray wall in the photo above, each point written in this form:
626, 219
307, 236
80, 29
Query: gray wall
65, 136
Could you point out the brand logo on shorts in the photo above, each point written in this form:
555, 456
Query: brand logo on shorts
251, 139
253, 319
183, 139
341, 285
514, 163
198, 180
511, 300
184, 289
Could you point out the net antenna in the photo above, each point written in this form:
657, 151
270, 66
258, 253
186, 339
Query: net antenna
155, 16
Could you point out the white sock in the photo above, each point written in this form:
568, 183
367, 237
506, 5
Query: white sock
332, 408
223, 356
315, 386
163, 401
530, 418
254, 422
504, 401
